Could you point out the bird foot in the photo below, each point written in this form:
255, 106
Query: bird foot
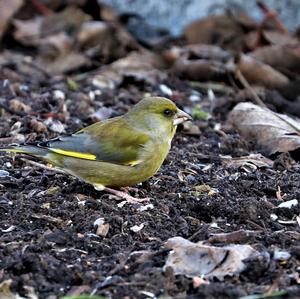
129, 189
130, 199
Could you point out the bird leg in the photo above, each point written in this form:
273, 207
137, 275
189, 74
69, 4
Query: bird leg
130, 199
129, 189
126, 196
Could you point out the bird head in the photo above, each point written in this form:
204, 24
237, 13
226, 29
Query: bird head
158, 115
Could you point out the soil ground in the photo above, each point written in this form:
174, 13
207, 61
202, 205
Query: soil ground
52, 245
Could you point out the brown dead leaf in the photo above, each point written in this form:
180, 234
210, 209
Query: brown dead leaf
54, 46
92, 33
196, 259
27, 32
226, 30
259, 73
7, 9
199, 69
197, 62
140, 66
217, 29
17, 105
278, 38
6, 292
253, 161
194, 52
69, 21
62, 64
285, 56
272, 131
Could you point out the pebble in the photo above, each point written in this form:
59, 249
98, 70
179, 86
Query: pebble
288, 204
281, 255
59, 95
4, 173
165, 90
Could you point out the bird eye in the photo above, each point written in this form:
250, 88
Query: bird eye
168, 112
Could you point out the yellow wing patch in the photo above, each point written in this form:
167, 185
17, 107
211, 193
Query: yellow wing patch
135, 162
86, 156
74, 154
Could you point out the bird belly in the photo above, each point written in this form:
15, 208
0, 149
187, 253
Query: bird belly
114, 175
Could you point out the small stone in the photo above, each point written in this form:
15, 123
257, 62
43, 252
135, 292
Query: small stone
288, 204
99, 221
54, 125
166, 90
137, 228
59, 95
17, 105
281, 255
4, 174
273, 217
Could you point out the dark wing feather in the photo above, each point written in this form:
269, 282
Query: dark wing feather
112, 141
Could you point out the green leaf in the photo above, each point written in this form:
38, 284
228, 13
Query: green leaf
72, 85
199, 113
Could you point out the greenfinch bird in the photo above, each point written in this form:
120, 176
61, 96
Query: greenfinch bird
118, 152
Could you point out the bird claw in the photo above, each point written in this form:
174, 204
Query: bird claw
130, 199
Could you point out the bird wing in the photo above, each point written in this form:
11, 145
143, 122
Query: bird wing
112, 141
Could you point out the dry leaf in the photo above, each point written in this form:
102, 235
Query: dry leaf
196, 259
6, 293
272, 131
197, 62
62, 64
259, 73
54, 46
92, 33
218, 29
279, 38
194, 52
27, 32
199, 69
280, 56
69, 20
253, 161
139, 66
17, 105
7, 9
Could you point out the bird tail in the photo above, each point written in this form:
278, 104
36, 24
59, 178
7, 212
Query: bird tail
31, 150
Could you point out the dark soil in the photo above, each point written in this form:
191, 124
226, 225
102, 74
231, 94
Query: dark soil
53, 247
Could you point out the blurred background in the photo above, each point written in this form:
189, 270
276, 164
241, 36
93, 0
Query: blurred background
176, 14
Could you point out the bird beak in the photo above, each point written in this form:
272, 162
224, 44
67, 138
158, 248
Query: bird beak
181, 117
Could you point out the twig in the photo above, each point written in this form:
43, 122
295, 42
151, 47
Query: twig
240, 236
260, 228
245, 83
220, 88
36, 67
271, 14
202, 231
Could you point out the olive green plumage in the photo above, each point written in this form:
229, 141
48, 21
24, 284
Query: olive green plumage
121, 151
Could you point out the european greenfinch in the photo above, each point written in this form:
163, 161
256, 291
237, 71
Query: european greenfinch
118, 152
